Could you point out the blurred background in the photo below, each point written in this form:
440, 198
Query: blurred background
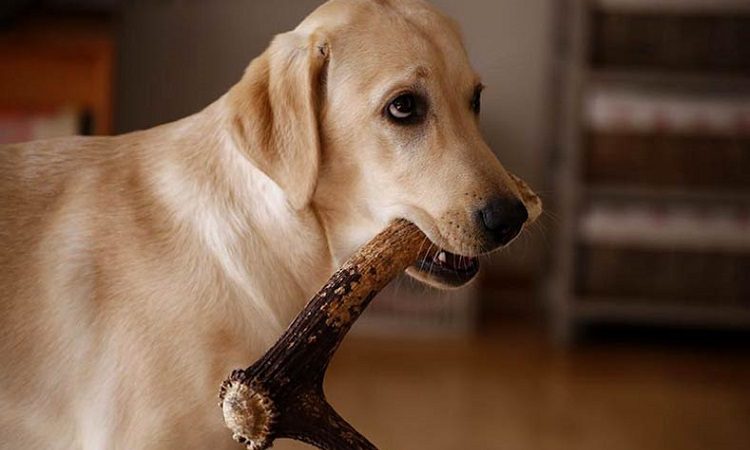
620, 320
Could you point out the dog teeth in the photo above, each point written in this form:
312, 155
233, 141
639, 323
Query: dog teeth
442, 257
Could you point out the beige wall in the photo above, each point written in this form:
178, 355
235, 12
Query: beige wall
509, 44
178, 56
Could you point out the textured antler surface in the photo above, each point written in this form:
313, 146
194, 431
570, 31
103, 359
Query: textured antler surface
281, 395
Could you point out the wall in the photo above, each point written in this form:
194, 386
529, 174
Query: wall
509, 43
178, 56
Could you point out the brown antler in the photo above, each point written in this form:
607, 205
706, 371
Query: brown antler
281, 395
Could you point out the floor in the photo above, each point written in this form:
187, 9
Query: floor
512, 390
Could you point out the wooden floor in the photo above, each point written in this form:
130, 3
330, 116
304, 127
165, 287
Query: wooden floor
513, 391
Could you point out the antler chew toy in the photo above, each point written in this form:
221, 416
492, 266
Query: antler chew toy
281, 395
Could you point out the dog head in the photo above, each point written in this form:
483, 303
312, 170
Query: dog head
369, 111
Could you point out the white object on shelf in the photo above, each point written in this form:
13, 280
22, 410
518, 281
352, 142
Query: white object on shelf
675, 6
611, 109
22, 126
675, 227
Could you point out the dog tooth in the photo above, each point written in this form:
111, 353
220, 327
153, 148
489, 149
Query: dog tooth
442, 257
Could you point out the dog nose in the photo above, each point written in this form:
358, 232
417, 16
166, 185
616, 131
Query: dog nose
502, 219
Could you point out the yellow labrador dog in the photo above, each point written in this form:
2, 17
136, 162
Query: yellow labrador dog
136, 271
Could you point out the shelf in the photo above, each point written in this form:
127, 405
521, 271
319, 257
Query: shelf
620, 193
643, 311
669, 80
642, 226
674, 6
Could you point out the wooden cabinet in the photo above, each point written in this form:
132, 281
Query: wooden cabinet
59, 63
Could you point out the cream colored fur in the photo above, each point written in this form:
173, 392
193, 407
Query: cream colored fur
136, 271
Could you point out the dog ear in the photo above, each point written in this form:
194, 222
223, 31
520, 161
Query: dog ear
275, 112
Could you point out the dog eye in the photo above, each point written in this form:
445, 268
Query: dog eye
476, 101
403, 107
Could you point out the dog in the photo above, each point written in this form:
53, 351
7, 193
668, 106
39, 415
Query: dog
137, 271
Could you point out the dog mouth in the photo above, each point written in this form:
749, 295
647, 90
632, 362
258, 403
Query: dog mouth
442, 268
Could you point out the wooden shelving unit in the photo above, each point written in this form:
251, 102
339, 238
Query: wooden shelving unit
51, 63
680, 218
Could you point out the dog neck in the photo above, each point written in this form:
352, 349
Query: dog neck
240, 219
